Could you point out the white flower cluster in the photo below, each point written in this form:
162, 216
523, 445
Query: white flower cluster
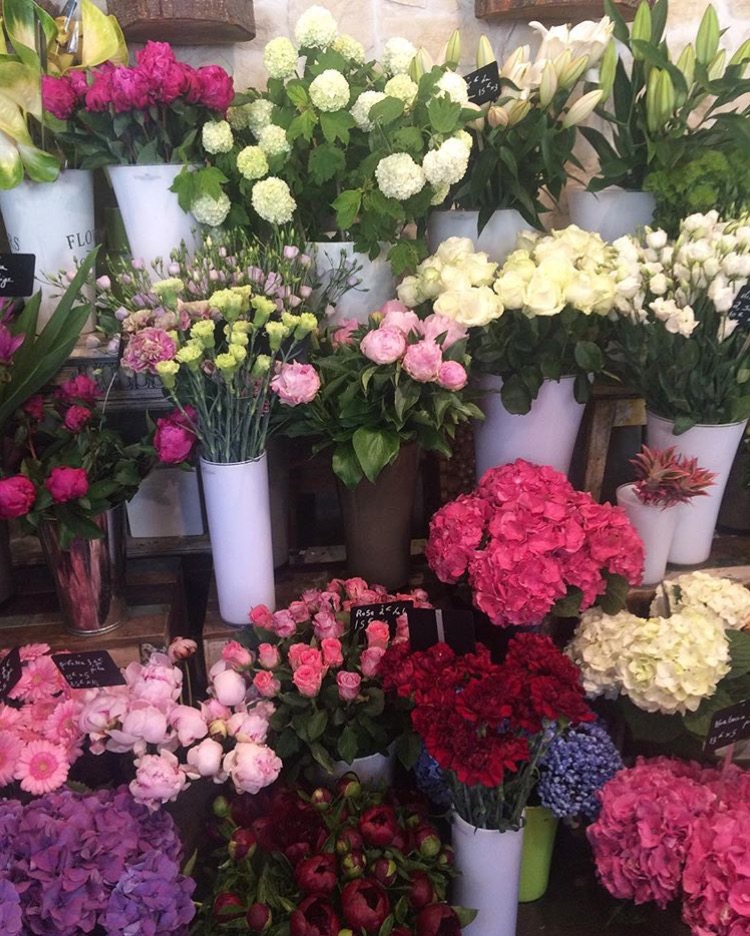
217, 137
397, 56
665, 282
458, 281
211, 211
316, 28
701, 591
350, 48
273, 201
662, 664
452, 84
402, 88
448, 163
280, 58
398, 176
361, 110
330, 90
257, 115
568, 268
252, 163
273, 141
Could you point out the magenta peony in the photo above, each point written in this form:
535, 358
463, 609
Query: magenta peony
67, 484
17, 496
130, 90
58, 97
296, 383
77, 417
174, 442
217, 88
80, 389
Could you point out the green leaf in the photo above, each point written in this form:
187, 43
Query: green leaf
570, 605
302, 126
347, 744
375, 448
444, 114
466, 915
347, 207
386, 112
615, 597
297, 93
346, 465
699, 722
739, 652
321, 756
336, 126
326, 162
651, 726
589, 357
515, 395
317, 724
408, 749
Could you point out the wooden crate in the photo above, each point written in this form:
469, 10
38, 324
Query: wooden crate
550, 11
186, 22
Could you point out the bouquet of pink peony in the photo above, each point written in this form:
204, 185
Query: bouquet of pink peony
530, 545
325, 678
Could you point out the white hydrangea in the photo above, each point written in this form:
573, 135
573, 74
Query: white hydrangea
258, 115
361, 109
466, 138
446, 165
280, 58
273, 141
452, 84
217, 137
397, 56
252, 163
702, 591
211, 211
399, 176
330, 90
273, 201
350, 48
403, 88
316, 28
441, 193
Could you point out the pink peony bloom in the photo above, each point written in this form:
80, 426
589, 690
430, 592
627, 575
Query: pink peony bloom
248, 726
99, 93
67, 484
383, 345
266, 685
378, 634
296, 383
174, 442
42, 767
76, 417
156, 681
181, 648
79, 83
17, 496
344, 334
236, 655
436, 326
452, 375
34, 408
229, 688
130, 89
10, 751
307, 679
252, 767
268, 656
204, 759
58, 97
189, 724
147, 348
217, 88
158, 779
80, 389
422, 361
143, 724
332, 655
370, 661
396, 315
348, 685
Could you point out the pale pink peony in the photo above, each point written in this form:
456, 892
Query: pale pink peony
248, 726
252, 767
268, 656
204, 759
158, 779
102, 709
435, 326
344, 334
42, 767
296, 383
212, 710
156, 681
143, 724
189, 724
266, 685
307, 679
383, 345
348, 685
452, 375
229, 688
181, 648
397, 315
378, 634
422, 361
370, 661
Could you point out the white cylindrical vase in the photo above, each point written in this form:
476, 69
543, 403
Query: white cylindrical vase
55, 222
153, 220
497, 238
613, 212
376, 770
376, 281
167, 503
488, 863
546, 435
239, 523
656, 527
715, 448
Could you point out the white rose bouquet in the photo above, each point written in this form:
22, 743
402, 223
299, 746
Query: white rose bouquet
682, 339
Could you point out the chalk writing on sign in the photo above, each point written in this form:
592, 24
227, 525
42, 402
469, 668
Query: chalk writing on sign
17, 274
390, 612
483, 84
729, 725
10, 672
90, 669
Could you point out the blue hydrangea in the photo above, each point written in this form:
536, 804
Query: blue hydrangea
430, 780
575, 768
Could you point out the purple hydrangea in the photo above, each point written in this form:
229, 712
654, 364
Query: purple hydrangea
11, 922
151, 899
576, 766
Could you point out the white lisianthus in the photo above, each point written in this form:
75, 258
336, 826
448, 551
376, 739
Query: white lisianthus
350, 48
683, 323
258, 115
656, 240
397, 56
273, 201
452, 84
330, 91
399, 177
658, 284
446, 165
217, 137
316, 28
361, 110
472, 307
211, 211
280, 58
252, 163
402, 88
273, 141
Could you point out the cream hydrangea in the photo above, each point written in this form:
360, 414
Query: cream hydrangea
398, 176
330, 90
397, 56
258, 115
252, 163
402, 88
452, 84
273, 141
316, 28
280, 58
350, 48
217, 137
446, 165
237, 117
465, 137
211, 211
273, 201
704, 592
361, 110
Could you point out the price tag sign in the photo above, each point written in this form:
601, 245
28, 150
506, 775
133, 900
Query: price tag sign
428, 626
484, 84
10, 672
728, 726
90, 669
17, 274
390, 612
741, 307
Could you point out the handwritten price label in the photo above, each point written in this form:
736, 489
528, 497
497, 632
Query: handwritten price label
17, 274
10, 672
390, 612
728, 726
484, 84
91, 669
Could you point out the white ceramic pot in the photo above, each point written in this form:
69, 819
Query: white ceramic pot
377, 283
489, 870
655, 526
613, 212
546, 435
168, 503
278, 472
239, 523
377, 770
715, 448
154, 222
55, 222
498, 237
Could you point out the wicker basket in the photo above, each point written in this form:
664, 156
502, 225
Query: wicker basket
185, 22
550, 11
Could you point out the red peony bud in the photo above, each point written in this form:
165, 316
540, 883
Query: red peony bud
365, 905
298, 852
446, 858
349, 786
348, 841
379, 826
317, 875
242, 844
427, 841
321, 798
220, 807
438, 920
258, 918
421, 891
384, 871
353, 865
228, 907
314, 917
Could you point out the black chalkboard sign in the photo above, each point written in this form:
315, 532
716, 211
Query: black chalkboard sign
729, 725
741, 307
484, 84
390, 612
17, 274
428, 626
90, 669
10, 672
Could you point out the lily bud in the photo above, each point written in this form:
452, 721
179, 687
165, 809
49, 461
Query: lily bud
666, 97
608, 69
651, 105
548, 85
686, 63
563, 62
497, 116
477, 124
707, 40
518, 57
452, 54
718, 65
582, 108
573, 72
742, 54
517, 111
485, 55
641, 28
420, 65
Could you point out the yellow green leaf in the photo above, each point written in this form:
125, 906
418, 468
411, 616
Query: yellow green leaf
22, 85
11, 167
102, 37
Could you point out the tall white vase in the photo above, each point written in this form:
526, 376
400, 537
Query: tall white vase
715, 448
376, 281
55, 222
656, 527
498, 237
613, 212
377, 770
546, 435
168, 503
239, 523
154, 222
489, 868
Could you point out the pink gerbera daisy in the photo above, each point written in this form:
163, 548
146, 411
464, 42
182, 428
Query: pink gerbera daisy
61, 727
33, 651
10, 718
41, 679
10, 749
42, 767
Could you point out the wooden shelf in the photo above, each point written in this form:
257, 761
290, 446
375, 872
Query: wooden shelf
550, 11
186, 22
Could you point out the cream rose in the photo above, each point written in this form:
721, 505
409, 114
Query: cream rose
471, 307
543, 297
